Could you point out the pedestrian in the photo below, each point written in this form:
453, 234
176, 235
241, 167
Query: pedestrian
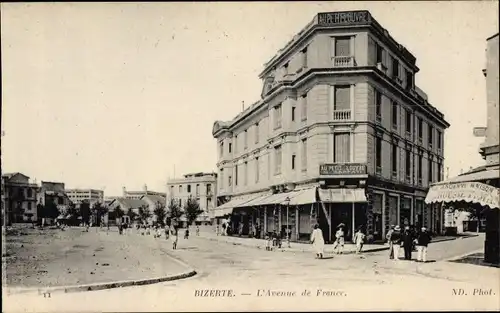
407, 242
120, 229
143, 230
317, 241
359, 239
240, 229
217, 230
338, 245
388, 237
396, 241
224, 229
186, 233
268, 242
423, 240
175, 238
148, 230
197, 230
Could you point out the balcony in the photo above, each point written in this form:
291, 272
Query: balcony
343, 61
394, 175
342, 115
408, 179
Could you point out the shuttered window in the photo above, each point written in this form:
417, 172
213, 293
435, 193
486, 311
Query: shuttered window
342, 46
304, 107
342, 97
342, 148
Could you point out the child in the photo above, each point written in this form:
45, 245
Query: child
197, 230
359, 239
268, 242
186, 234
174, 239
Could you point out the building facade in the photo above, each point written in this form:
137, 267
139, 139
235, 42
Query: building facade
138, 194
200, 186
19, 198
341, 134
92, 196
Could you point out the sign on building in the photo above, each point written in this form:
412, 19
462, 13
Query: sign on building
344, 18
342, 169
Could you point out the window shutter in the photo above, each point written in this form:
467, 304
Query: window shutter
342, 98
342, 148
372, 52
342, 46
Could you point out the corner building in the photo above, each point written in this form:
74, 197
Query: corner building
341, 134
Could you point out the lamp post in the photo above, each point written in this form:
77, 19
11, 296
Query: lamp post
288, 230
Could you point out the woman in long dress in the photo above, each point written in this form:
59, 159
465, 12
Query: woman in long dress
317, 241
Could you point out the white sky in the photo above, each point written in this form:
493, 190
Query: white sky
109, 95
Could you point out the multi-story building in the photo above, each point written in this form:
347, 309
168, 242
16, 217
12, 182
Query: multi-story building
53, 193
138, 194
92, 196
200, 186
19, 198
341, 134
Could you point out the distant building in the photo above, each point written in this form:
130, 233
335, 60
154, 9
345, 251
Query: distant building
53, 192
138, 194
125, 204
200, 186
92, 196
19, 198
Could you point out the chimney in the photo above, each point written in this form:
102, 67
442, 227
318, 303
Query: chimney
242, 106
145, 188
124, 191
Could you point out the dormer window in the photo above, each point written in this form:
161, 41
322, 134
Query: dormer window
285, 69
268, 85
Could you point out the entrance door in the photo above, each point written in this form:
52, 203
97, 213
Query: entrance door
377, 226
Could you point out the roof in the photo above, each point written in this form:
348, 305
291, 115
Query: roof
10, 175
491, 37
155, 198
131, 203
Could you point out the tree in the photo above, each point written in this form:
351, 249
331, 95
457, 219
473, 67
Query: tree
174, 212
160, 213
51, 209
98, 211
131, 214
144, 214
85, 211
192, 209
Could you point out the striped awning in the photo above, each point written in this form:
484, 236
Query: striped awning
227, 208
342, 195
260, 200
304, 196
470, 192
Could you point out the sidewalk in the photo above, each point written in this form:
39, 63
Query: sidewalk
304, 247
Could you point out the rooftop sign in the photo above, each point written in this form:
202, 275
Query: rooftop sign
344, 18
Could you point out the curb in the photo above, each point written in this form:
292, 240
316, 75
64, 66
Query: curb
102, 286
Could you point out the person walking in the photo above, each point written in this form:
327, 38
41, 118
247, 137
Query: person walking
396, 241
175, 238
217, 230
388, 237
338, 245
197, 230
186, 233
423, 240
407, 242
318, 241
359, 239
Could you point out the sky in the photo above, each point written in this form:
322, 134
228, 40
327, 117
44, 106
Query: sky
105, 95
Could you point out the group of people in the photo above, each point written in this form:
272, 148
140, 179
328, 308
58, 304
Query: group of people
408, 239
318, 241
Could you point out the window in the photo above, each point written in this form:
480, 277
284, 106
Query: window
430, 133
293, 114
395, 68
394, 160
29, 204
341, 148
197, 189
439, 140
409, 80
378, 154
419, 169
293, 161
304, 57
439, 171
285, 69
222, 178
230, 180
394, 114
257, 169
342, 46
408, 164
378, 105
230, 147
245, 139
304, 154
420, 127
236, 144
277, 116
221, 149
209, 200
30, 192
408, 121
236, 175
180, 202
342, 97
189, 188
256, 132
209, 189
304, 107
380, 53
268, 165
277, 159
245, 172
430, 171
180, 188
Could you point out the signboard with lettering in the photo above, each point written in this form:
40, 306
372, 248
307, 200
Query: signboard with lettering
342, 169
469, 192
344, 18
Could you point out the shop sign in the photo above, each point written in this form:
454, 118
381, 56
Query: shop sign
344, 18
342, 169
469, 192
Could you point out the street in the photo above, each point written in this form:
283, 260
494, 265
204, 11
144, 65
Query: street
263, 279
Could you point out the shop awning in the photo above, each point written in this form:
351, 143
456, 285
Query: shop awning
474, 177
471, 192
279, 198
227, 208
342, 195
304, 196
260, 200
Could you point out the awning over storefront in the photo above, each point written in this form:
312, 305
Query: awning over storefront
304, 196
471, 192
474, 177
342, 195
260, 200
227, 208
